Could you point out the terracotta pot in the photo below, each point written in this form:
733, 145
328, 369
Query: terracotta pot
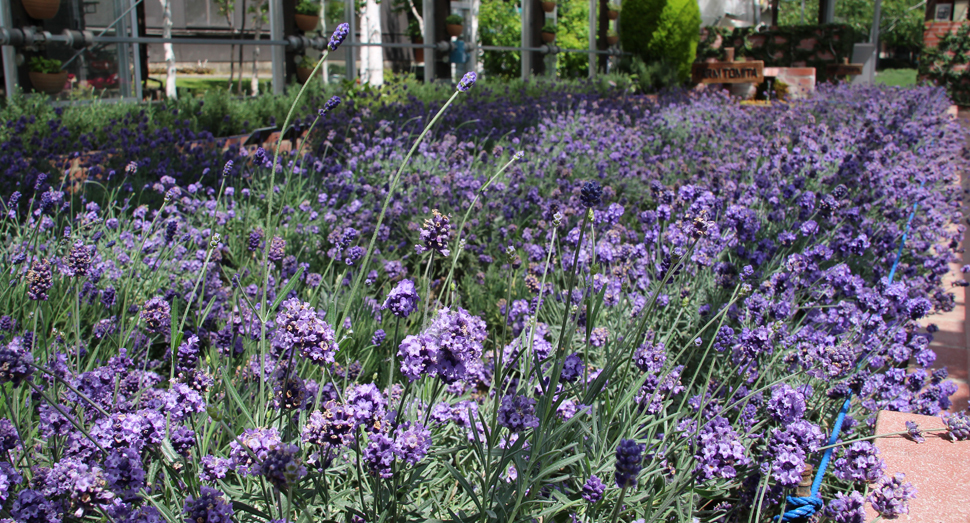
418, 51
303, 74
612, 40
41, 9
454, 29
612, 15
307, 23
548, 6
548, 37
50, 83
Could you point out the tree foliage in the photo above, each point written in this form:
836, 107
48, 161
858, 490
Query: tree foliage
900, 25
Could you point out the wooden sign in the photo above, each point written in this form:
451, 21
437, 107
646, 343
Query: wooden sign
728, 72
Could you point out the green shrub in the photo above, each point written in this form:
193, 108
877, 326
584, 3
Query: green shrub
668, 29
454, 20
549, 28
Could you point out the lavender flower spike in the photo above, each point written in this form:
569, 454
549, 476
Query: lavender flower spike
629, 457
338, 36
467, 81
331, 104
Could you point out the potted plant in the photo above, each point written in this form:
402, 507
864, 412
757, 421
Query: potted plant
611, 37
548, 6
46, 75
548, 33
41, 9
308, 15
454, 24
414, 32
612, 10
304, 68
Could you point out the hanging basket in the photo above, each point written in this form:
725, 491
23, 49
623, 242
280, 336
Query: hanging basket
548, 37
303, 74
454, 29
612, 15
548, 6
49, 83
307, 23
418, 51
41, 9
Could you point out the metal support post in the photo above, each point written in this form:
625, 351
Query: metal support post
874, 33
593, 4
526, 61
351, 9
427, 11
136, 51
277, 53
8, 53
124, 58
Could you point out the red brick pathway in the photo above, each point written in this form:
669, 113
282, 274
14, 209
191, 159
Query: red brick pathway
952, 342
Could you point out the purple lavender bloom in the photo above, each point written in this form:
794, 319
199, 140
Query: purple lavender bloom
157, 315
108, 296
572, 368
331, 104
402, 300
299, 327
277, 249
32, 507
914, 432
380, 454
9, 438
593, 489
847, 508
719, 450
958, 426
16, 363
860, 462
338, 36
255, 239
258, 442
458, 337
214, 468
413, 440
333, 426
39, 280
378, 337
918, 307
591, 194
517, 413
650, 358
209, 507
282, 467
435, 234
467, 81
786, 405
629, 457
124, 472
79, 259
890, 497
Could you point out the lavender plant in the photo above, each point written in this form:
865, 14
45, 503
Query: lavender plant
633, 319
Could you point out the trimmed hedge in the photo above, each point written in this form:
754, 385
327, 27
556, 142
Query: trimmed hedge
671, 37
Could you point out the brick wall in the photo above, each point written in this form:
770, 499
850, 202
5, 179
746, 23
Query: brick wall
933, 31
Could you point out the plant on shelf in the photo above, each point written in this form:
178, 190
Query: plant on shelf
46, 75
414, 33
304, 67
612, 10
611, 37
454, 24
308, 15
548, 32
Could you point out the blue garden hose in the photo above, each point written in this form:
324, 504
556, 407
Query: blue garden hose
805, 507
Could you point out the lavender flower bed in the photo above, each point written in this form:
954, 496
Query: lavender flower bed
629, 311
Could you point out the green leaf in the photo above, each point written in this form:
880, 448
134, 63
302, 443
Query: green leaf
286, 290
